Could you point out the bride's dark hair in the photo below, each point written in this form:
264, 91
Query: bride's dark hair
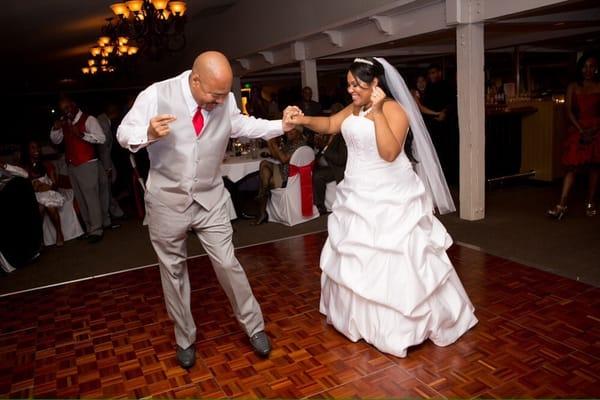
367, 72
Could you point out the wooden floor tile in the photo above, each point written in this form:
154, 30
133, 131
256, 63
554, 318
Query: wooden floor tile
111, 337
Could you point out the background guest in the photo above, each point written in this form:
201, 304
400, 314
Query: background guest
108, 172
80, 132
330, 162
257, 106
21, 233
330, 166
310, 108
420, 86
274, 175
582, 146
44, 181
440, 97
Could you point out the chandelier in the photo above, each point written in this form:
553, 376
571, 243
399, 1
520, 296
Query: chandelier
148, 27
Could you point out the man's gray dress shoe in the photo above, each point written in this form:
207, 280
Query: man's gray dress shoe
186, 357
261, 344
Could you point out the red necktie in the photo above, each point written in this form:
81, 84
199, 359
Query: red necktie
198, 121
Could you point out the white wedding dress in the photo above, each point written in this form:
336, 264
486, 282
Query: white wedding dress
386, 277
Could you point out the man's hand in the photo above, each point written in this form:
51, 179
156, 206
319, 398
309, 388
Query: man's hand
159, 126
40, 186
441, 116
43, 187
291, 118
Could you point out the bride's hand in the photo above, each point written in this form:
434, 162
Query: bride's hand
291, 117
377, 98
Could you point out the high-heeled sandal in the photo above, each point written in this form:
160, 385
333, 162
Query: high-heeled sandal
558, 212
262, 219
590, 209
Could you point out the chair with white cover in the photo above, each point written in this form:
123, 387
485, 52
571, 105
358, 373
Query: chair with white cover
330, 194
69, 223
286, 204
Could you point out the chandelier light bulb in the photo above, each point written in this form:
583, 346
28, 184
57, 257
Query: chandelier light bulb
134, 5
120, 9
156, 26
103, 40
178, 8
159, 4
95, 51
85, 70
165, 14
91, 62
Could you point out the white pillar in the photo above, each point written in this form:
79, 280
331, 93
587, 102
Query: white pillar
471, 118
308, 70
236, 88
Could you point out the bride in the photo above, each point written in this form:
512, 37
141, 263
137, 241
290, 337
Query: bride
386, 277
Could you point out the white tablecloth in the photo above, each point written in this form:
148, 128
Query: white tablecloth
235, 168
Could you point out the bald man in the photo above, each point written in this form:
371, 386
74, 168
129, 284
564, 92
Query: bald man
186, 122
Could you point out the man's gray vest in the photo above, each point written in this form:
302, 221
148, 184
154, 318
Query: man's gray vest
184, 168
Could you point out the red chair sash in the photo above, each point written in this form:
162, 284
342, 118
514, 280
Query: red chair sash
306, 190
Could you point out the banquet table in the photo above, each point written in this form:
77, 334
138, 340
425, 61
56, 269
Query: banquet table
236, 168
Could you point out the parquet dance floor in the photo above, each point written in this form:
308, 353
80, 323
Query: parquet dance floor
538, 336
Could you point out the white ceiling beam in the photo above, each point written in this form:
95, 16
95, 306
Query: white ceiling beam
268, 55
413, 23
590, 15
298, 51
404, 19
463, 11
400, 51
384, 24
503, 8
409, 18
244, 62
335, 37
519, 39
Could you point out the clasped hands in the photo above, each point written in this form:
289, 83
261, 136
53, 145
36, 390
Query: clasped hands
291, 117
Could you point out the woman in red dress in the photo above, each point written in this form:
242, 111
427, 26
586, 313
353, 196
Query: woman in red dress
582, 145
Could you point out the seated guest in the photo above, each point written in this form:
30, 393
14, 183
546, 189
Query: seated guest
8, 170
21, 236
44, 181
274, 175
330, 165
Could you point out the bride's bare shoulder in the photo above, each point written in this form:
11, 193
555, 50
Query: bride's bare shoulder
393, 108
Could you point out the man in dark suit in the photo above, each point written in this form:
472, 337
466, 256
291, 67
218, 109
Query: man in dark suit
311, 108
330, 166
440, 97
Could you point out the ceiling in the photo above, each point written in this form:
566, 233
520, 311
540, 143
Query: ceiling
47, 42
570, 27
